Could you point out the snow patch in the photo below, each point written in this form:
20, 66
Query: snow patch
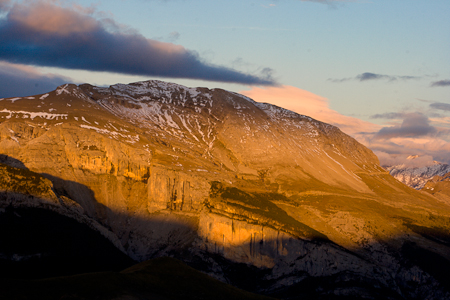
32, 115
62, 89
82, 118
129, 138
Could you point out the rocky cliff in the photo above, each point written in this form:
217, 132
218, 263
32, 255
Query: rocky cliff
231, 186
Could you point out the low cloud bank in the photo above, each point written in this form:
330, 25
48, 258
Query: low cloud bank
20, 81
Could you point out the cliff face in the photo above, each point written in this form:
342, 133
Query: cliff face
218, 180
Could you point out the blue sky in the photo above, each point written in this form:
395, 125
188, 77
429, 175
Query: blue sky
378, 61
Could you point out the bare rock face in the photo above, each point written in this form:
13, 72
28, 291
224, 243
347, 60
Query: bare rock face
176, 191
222, 182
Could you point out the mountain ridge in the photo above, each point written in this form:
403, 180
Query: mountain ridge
417, 176
218, 180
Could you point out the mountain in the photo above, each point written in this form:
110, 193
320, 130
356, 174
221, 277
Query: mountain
252, 194
417, 177
439, 187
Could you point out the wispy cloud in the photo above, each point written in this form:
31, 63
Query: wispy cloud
440, 106
171, 37
309, 104
367, 76
445, 82
330, 2
390, 116
21, 80
43, 33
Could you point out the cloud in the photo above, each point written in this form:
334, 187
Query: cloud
415, 135
329, 2
20, 80
411, 134
445, 82
441, 106
390, 116
174, 36
396, 150
340, 79
4, 5
370, 76
413, 125
393, 160
309, 104
367, 76
44, 34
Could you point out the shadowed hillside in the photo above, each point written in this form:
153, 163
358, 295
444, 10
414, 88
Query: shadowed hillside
162, 279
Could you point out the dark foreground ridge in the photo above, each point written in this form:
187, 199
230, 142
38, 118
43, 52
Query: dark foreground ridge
161, 278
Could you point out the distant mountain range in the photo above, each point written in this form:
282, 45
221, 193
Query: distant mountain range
417, 177
252, 194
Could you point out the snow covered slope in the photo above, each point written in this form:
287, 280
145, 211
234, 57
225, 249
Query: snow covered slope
417, 177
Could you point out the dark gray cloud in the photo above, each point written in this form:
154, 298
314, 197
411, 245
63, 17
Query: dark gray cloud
339, 80
367, 76
441, 106
413, 125
390, 116
445, 82
44, 34
372, 76
21, 81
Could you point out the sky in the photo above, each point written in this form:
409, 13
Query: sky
377, 69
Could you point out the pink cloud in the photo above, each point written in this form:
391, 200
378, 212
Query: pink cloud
312, 105
46, 17
412, 134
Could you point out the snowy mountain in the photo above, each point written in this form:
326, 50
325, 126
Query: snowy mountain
417, 177
250, 193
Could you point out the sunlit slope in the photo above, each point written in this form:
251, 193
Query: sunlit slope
193, 172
